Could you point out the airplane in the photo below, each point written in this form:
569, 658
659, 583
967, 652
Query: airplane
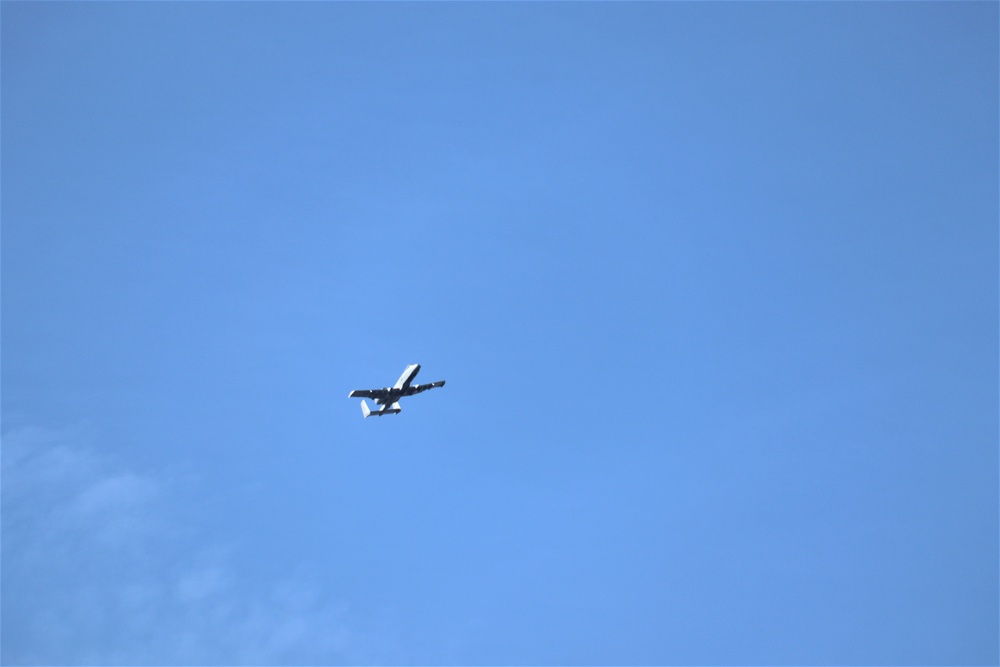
389, 397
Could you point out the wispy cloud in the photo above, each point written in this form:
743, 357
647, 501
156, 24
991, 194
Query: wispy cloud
94, 572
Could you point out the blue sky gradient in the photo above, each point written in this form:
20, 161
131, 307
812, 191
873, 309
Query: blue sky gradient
714, 287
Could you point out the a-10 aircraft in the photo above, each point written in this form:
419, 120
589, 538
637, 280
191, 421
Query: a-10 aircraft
389, 397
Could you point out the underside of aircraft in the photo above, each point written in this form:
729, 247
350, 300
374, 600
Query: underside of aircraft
388, 398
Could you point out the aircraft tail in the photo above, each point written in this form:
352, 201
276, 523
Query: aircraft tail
391, 410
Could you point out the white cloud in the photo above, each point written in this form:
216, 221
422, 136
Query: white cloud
95, 573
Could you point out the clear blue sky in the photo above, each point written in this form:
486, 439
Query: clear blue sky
714, 288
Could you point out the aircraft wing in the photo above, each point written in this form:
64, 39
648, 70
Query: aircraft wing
367, 393
417, 388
